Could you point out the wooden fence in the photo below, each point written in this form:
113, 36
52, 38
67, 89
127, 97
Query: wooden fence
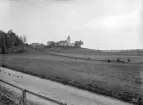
24, 91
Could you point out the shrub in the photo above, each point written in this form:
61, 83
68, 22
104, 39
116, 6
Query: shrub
118, 60
129, 60
108, 61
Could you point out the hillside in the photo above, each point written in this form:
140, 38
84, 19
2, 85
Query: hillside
87, 51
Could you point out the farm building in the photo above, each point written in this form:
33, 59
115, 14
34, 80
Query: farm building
36, 45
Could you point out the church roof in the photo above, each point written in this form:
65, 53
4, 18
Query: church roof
63, 41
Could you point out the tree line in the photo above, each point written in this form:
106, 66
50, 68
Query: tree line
77, 44
10, 40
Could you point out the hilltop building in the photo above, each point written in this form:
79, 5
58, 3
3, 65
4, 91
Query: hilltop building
65, 42
37, 45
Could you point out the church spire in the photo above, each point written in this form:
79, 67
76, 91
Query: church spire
68, 39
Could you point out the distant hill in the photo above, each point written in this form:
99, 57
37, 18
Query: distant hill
87, 51
73, 50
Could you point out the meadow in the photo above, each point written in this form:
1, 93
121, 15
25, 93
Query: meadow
86, 51
103, 57
119, 80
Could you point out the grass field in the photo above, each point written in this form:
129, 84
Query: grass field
85, 51
122, 81
9, 97
98, 57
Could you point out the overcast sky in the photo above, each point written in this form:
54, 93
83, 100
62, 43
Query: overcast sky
100, 24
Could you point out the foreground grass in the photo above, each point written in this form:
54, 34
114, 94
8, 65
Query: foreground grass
9, 97
5, 95
121, 81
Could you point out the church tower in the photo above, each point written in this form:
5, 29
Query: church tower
68, 40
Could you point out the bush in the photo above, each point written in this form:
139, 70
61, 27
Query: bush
108, 61
129, 60
118, 60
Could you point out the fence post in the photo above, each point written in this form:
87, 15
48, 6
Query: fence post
22, 100
23, 97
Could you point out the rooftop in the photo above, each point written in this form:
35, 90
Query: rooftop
63, 41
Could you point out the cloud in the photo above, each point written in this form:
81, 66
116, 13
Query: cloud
65, 0
92, 21
4, 15
131, 19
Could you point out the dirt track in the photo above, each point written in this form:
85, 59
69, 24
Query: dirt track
56, 91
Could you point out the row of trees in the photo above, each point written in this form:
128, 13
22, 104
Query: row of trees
10, 40
77, 44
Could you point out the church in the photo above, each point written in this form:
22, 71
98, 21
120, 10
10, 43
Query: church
65, 42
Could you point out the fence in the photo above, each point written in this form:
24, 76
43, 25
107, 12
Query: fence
24, 91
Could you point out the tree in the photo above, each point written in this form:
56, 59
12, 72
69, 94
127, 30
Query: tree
51, 43
78, 44
129, 60
109, 61
118, 60
2, 39
23, 38
10, 40
2, 44
18, 41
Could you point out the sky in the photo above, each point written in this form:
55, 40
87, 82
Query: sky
100, 24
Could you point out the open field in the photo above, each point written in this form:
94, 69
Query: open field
85, 51
54, 90
98, 57
122, 81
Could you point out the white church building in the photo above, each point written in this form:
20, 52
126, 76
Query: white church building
65, 42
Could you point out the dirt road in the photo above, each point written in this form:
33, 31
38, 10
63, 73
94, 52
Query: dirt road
57, 91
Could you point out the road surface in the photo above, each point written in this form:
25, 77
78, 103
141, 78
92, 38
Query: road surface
57, 91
